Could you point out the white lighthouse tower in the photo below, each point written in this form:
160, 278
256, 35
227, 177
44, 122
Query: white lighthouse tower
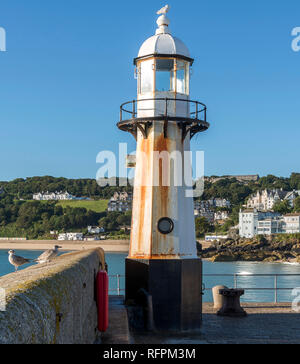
163, 259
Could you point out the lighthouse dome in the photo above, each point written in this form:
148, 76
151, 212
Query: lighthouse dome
163, 43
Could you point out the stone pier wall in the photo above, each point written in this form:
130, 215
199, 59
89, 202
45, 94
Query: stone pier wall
52, 303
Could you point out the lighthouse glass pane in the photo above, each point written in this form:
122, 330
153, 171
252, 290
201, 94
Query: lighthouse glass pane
182, 77
164, 80
146, 76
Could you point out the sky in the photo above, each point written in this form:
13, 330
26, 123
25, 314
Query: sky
69, 66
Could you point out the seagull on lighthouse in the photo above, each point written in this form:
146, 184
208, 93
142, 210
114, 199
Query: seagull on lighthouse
48, 255
16, 261
164, 10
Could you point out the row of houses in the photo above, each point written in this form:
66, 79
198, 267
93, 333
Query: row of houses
253, 222
70, 236
93, 232
210, 215
212, 203
120, 202
53, 196
122, 196
79, 237
205, 209
265, 200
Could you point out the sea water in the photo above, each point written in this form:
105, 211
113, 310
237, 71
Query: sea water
116, 266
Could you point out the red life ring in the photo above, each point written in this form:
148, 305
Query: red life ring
102, 300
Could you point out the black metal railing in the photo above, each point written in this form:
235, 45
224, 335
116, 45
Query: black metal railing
199, 112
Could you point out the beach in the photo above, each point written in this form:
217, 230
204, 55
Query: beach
116, 246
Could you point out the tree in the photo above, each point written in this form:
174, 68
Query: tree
295, 181
297, 204
202, 226
283, 207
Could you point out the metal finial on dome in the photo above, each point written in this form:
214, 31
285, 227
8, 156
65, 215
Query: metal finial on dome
163, 22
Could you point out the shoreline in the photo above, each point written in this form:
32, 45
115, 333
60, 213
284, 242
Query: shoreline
109, 246
292, 262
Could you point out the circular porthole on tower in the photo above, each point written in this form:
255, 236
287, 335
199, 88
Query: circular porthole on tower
165, 225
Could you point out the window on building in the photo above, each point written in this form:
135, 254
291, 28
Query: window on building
182, 77
146, 76
165, 75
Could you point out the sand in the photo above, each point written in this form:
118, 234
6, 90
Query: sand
109, 246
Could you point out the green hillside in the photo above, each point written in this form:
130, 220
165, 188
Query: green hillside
96, 206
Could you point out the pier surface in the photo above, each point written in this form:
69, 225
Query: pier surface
266, 323
118, 330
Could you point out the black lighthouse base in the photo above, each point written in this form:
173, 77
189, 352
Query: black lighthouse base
175, 286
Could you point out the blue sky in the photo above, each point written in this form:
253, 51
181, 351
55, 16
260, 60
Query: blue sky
68, 67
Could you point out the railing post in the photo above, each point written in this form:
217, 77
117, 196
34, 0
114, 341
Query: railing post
235, 281
133, 108
166, 108
121, 115
196, 110
118, 284
275, 286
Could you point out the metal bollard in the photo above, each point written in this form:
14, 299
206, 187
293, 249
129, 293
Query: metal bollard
217, 297
231, 305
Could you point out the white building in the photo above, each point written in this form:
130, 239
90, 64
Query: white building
270, 226
265, 200
221, 215
53, 196
292, 223
253, 222
70, 236
215, 237
95, 230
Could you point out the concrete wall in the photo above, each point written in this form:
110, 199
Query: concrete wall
52, 303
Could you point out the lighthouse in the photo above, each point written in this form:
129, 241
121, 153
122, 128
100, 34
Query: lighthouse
162, 261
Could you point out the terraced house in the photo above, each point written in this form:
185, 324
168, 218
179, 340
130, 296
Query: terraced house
265, 200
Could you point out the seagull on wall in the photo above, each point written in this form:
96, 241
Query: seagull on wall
17, 261
48, 255
164, 10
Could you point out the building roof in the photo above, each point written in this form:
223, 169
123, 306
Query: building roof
163, 42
